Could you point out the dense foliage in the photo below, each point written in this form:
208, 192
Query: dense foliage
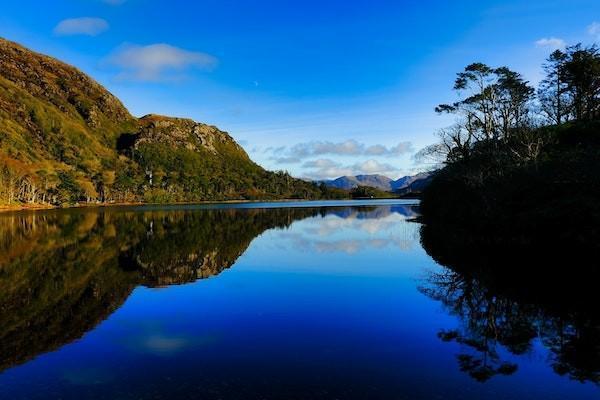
517, 162
369, 192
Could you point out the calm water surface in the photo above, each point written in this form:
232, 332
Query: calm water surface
265, 301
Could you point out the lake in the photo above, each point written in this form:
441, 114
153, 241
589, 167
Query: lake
307, 300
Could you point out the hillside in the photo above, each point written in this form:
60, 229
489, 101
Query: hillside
65, 139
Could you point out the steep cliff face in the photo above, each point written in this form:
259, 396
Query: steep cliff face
65, 139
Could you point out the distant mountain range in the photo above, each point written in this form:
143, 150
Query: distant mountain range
406, 184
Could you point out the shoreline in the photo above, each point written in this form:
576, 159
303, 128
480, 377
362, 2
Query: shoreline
42, 207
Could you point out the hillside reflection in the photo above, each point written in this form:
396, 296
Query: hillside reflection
63, 272
511, 298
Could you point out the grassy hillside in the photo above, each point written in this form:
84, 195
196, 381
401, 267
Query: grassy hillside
64, 139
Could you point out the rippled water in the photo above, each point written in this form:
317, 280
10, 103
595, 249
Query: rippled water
266, 301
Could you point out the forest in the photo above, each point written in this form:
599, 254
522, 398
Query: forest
521, 160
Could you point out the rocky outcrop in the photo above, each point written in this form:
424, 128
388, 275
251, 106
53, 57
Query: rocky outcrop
184, 268
182, 132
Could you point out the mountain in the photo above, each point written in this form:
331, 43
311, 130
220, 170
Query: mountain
414, 184
65, 139
351, 182
417, 182
407, 181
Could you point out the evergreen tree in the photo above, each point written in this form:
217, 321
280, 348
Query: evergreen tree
552, 93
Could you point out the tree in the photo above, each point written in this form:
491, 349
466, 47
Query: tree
582, 79
478, 106
455, 144
552, 93
107, 180
88, 189
69, 190
495, 101
12, 173
364, 192
495, 105
514, 97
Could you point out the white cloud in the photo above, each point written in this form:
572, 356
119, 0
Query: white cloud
373, 167
376, 150
381, 232
594, 30
349, 147
320, 163
165, 344
325, 168
158, 62
340, 246
398, 150
81, 26
286, 160
551, 42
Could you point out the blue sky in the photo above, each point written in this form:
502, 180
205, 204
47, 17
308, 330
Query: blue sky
318, 88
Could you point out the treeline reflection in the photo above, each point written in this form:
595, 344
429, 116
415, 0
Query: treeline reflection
510, 298
63, 272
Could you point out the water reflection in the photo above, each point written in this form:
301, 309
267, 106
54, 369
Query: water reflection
63, 272
318, 302
511, 298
